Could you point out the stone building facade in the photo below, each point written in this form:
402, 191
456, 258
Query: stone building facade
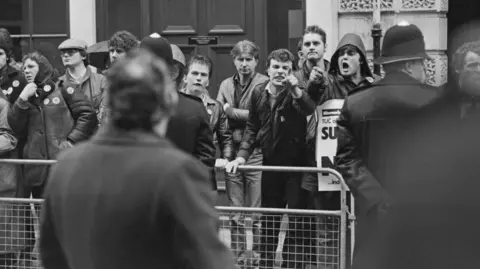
347, 16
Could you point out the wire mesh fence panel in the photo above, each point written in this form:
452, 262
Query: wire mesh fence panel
282, 239
257, 237
19, 222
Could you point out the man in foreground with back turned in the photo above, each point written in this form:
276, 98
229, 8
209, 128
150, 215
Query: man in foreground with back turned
128, 198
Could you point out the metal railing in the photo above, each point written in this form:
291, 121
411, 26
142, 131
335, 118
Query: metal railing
297, 228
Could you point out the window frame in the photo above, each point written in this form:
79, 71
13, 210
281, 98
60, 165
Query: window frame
32, 35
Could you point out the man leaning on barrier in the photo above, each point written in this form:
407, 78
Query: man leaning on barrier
277, 124
129, 198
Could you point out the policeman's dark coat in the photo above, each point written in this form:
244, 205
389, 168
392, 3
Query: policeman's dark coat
374, 130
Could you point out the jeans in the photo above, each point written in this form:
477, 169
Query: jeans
244, 190
280, 189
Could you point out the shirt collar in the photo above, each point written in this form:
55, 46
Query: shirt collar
236, 77
79, 80
267, 88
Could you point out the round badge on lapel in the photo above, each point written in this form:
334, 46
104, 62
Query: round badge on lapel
16, 83
209, 112
10, 90
56, 100
70, 90
46, 101
47, 88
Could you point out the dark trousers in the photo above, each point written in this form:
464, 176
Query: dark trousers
280, 189
325, 236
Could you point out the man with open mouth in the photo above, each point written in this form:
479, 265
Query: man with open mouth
348, 70
277, 125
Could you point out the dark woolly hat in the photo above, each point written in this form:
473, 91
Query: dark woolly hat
159, 46
402, 42
6, 41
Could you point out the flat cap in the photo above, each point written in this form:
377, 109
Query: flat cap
73, 43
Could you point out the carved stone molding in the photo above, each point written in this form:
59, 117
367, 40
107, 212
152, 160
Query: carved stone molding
348, 6
437, 68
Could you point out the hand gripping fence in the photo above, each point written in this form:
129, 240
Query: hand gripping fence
19, 225
343, 214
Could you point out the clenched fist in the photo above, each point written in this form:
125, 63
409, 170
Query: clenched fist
317, 74
28, 91
292, 80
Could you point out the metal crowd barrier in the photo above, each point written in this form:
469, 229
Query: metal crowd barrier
314, 237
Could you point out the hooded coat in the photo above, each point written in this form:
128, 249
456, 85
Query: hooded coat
335, 87
55, 117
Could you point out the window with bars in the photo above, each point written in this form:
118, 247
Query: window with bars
36, 25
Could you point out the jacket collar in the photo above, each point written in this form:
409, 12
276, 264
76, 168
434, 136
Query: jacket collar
109, 134
87, 76
398, 78
7, 72
236, 77
208, 100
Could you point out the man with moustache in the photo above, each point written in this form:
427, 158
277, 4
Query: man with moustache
243, 188
277, 125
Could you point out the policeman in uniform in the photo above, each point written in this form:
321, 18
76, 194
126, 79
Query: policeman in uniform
374, 134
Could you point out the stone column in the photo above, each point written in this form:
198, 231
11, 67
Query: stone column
429, 15
82, 20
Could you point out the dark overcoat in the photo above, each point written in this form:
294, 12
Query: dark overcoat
130, 200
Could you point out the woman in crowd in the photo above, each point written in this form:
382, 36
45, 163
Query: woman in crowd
10, 80
49, 116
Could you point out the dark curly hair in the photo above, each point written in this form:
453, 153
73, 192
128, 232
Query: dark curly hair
281, 55
458, 59
123, 40
140, 92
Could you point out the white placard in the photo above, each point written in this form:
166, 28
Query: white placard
326, 144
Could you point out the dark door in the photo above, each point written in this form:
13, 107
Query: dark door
229, 20
286, 22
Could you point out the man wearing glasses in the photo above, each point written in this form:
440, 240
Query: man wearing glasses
78, 77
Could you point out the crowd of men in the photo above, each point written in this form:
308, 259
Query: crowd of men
130, 197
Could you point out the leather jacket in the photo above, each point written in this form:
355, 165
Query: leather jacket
219, 125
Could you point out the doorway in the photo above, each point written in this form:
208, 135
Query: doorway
285, 23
